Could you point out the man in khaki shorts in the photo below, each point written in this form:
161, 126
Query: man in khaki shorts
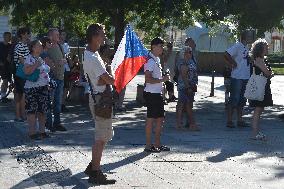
99, 77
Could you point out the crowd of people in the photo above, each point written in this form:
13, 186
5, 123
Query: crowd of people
40, 101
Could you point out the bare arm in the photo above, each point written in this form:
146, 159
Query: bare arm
259, 62
230, 60
49, 62
106, 78
149, 78
29, 69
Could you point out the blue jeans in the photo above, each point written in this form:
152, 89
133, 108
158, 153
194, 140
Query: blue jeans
238, 87
56, 97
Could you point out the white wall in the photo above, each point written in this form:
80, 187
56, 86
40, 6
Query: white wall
4, 26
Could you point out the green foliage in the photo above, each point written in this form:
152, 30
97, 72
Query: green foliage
278, 71
257, 14
148, 15
276, 57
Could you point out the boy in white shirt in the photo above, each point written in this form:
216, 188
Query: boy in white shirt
153, 96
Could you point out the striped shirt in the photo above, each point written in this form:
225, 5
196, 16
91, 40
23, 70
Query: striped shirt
21, 50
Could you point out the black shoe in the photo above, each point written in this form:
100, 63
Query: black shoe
59, 127
97, 177
64, 109
164, 148
153, 149
51, 129
88, 170
5, 100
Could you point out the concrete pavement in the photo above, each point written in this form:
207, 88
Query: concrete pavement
216, 157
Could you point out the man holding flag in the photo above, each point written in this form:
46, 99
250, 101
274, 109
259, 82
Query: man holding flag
130, 56
99, 77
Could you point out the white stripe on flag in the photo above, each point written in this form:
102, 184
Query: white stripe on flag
119, 54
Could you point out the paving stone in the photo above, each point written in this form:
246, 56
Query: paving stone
216, 157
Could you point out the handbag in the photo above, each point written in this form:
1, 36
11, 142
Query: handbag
31, 77
103, 102
255, 89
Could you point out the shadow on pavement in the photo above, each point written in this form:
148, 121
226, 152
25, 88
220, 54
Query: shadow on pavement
214, 136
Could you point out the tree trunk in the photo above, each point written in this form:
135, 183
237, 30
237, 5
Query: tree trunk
119, 25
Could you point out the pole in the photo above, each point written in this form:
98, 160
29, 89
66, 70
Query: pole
213, 71
212, 84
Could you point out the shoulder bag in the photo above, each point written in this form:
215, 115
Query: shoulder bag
103, 102
31, 77
255, 89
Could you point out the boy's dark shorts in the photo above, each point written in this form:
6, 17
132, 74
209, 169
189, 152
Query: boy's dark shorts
155, 105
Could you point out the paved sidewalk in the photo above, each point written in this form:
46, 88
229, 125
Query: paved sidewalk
216, 157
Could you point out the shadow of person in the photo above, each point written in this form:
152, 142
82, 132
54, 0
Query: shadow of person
131, 159
52, 179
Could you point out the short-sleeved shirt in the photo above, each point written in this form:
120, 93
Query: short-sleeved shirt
21, 50
153, 65
239, 53
192, 73
43, 79
56, 56
94, 67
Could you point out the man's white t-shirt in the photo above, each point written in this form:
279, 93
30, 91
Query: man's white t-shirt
239, 53
153, 65
94, 67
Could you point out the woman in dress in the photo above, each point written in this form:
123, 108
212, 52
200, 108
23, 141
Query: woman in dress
36, 93
187, 86
261, 66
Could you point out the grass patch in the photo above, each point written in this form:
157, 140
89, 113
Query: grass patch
278, 71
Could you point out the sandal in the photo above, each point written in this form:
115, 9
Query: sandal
164, 148
153, 149
230, 125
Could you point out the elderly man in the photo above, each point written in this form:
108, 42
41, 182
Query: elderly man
57, 73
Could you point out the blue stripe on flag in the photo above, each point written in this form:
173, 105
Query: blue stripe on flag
133, 46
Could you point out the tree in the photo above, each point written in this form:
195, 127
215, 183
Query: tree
148, 15
256, 14
151, 16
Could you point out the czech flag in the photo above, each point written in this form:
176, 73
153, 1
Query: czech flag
130, 56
